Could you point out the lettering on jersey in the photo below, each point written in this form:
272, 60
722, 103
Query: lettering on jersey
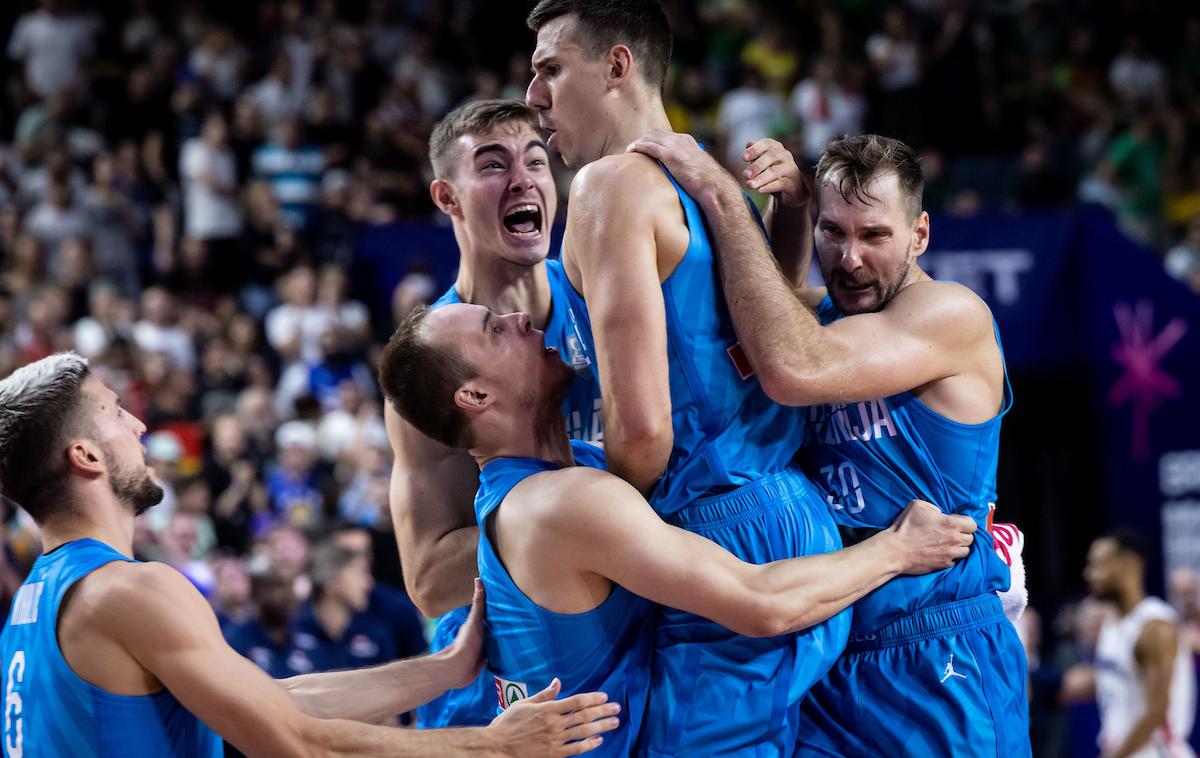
510, 692
14, 737
836, 424
577, 429
25, 605
740, 361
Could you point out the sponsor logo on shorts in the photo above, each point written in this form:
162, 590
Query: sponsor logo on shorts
950, 672
510, 692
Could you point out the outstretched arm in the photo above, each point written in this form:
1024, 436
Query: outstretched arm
432, 504
152, 612
798, 361
604, 527
374, 694
611, 237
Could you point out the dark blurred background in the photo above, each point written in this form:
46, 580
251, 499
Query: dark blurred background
224, 205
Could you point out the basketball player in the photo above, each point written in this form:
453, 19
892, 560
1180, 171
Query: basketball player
1143, 677
906, 385
571, 555
493, 181
104, 655
682, 423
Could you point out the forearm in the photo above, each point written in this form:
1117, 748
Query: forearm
791, 239
806, 591
774, 328
1139, 736
372, 694
438, 575
346, 738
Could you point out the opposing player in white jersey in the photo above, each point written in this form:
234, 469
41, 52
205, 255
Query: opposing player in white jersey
1144, 677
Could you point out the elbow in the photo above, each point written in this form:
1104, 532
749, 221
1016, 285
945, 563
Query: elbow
785, 384
765, 617
427, 596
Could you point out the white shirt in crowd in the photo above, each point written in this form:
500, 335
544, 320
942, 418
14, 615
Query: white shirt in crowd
747, 114
208, 214
896, 62
827, 112
53, 49
172, 340
1120, 691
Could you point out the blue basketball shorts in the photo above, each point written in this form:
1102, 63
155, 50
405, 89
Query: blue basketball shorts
713, 692
948, 680
473, 705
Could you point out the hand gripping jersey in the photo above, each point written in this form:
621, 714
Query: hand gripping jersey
729, 478
50, 710
933, 666
606, 649
475, 704
872, 458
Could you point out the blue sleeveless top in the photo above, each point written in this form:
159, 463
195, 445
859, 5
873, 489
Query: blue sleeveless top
475, 705
50, 710
727, 431
871, 458
581, 406
605, 649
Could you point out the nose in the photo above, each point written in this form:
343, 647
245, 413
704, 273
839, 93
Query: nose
535, 95
521, 178
138, 426
851, 259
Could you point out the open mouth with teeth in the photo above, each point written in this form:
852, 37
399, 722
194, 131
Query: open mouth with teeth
524, 220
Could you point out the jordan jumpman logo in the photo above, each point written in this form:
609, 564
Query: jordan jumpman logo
950, 670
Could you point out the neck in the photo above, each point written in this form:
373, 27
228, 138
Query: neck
543, 438
95, 513
1128, 598
645, 113
333, 615
504, 287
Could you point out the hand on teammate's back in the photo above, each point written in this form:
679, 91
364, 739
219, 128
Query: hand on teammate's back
465, 655
541, 725
695, 170
932, 540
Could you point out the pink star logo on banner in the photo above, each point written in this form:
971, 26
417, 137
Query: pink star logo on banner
1144, 385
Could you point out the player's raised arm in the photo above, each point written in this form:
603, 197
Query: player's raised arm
605, 527
432, 494
613, 238
154, 613
798, 361
772, 169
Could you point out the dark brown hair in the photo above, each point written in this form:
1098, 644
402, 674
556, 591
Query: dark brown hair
852, 163
476, 117
640, 25
420, 380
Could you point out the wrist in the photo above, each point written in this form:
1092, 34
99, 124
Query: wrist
894, 556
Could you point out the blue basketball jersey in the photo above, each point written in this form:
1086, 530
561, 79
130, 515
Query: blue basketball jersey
581, 406
873, 457
728, 433
475, 705
605, 649
50, 710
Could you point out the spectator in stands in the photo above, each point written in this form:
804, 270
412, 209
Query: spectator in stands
53, 43
1136, 77
207, 171
295, 486
159, 330
747, 113
1183, 260
57, 218
267, 638
293, 169
825, 109
896, 63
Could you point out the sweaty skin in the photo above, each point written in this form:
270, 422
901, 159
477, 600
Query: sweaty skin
933, 338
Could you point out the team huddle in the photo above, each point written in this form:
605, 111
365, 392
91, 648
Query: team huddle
756, 518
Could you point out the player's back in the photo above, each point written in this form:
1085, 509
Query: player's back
50, 710
727, 432
605, 649
873, 457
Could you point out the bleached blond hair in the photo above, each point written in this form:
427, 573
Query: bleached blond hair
39, 411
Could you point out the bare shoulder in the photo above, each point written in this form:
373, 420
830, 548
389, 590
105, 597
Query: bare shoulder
123, 595
629, 179
943, 304
568, 496
1157, 636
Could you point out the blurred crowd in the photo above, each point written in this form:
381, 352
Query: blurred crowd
185, 191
